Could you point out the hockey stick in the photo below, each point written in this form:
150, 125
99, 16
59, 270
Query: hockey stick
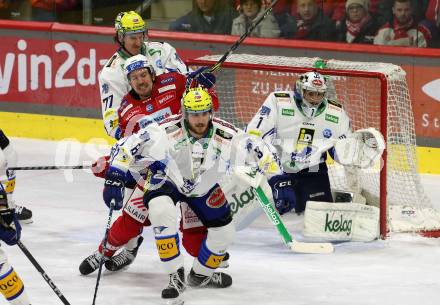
104, 248
144, 5
43, 274
217, 65
242, 37
32, 168
294, 245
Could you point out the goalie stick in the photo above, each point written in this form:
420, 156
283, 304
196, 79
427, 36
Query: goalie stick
294, 245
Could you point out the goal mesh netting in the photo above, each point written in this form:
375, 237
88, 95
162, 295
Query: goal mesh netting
373, 94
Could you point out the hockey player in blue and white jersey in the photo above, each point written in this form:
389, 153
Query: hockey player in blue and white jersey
8, 158
196, 151
11, 285
303, 125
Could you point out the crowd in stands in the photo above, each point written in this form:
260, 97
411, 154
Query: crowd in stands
380, 22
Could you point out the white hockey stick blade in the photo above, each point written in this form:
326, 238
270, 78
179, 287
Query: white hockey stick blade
312, 248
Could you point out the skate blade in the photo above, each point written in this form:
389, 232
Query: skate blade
26, 221
176, 301
224, 265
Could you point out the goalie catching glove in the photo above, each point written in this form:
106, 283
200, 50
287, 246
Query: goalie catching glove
362, 149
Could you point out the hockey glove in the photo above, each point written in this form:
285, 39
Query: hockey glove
114, 187
156, 176
203, 77
100, 166
10, 228
283, 193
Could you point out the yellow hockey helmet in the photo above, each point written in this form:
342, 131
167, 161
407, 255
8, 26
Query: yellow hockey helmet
129, 23
197, 100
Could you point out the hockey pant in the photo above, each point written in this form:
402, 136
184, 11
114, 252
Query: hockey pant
129, 225
214, 212
11, 285
311, 185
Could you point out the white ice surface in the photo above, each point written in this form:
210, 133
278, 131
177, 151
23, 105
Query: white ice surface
69, 222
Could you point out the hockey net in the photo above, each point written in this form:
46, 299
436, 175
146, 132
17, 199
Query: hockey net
374, 95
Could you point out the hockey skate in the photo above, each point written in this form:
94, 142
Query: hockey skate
225, 261
216, 280
172, 293
91, 263
123, 258
24, 215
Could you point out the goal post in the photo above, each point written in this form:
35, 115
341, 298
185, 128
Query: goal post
373, 94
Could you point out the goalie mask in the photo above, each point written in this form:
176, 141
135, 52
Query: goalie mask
310, 88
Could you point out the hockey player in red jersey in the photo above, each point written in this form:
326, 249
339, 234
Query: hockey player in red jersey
151, 98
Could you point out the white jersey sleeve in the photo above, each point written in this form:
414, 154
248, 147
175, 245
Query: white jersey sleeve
164, 58
142, 148
113, 86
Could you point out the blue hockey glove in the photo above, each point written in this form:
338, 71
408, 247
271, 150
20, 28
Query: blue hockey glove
114, 187
283, 193
10, 228
156, 176
203, 77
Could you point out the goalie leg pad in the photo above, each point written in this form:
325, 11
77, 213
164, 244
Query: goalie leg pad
341, 221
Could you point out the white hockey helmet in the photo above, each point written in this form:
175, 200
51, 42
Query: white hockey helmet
138, 62
310, 88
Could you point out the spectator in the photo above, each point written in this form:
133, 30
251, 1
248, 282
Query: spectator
312, 24
358, 27
433, 16
250, 11
334, 9
384, 12
280, 7
403, 30
46, 10
433, 12
207, 16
